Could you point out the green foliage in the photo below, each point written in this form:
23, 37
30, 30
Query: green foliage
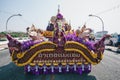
13, 34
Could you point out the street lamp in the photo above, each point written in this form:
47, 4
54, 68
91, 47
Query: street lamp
101, 21
10, 18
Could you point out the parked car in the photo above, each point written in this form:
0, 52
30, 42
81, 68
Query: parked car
118, 41
112, 41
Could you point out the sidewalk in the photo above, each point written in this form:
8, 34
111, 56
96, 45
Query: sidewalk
3, 46
111, 48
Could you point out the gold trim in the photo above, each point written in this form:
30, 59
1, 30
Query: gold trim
29, 61
32, 57
94, 55
63, 63
23, 53
32, 64
20, 55
48, 33
82, 54
79, 63
73, 42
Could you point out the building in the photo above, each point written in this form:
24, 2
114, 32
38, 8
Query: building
100, 34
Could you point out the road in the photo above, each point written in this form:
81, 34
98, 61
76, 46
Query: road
108, 69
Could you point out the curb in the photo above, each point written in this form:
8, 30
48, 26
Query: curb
3, 47
112, 48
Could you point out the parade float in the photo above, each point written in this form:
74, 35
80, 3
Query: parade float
58, 49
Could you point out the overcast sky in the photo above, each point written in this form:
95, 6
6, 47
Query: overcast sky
39, 12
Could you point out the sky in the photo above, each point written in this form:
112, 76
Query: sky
39, 12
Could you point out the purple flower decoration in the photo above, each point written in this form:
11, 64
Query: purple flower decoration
59, 16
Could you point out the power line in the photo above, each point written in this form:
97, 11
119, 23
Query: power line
108, 10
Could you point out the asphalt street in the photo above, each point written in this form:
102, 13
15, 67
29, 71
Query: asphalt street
108, 69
